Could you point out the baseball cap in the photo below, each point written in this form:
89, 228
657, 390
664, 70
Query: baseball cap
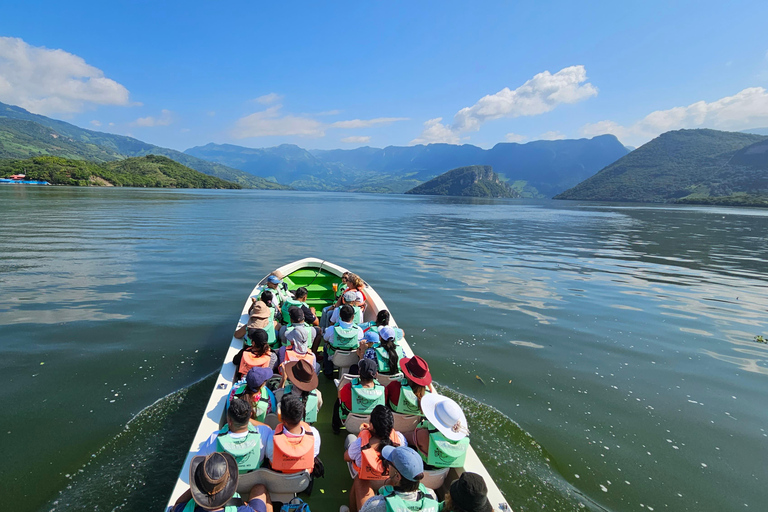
368, 369
274, 280
387, 332
406, 461
372, 336
256, 377
350, 296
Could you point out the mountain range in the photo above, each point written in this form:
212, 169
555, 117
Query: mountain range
536, 169
685, 166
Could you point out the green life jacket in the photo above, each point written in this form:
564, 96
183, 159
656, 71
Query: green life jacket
262, 406
341, 289
246, 450
372, 327
190, 507
395, 503
358, 318
310, 408
442, 452
270, 329
365, 399
382, 358
408, 402
310, 332
288, 304
345, 339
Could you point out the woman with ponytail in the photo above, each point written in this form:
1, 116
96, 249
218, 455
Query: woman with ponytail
364, 454
388, 352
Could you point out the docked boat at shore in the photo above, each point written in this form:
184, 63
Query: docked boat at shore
329, 492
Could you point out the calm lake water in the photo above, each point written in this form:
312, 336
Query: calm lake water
615, 343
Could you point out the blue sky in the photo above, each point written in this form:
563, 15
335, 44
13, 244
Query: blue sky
348, 74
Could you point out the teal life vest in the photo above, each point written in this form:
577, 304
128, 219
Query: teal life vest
310, 332
408, 402
358, 318
345, 339
271, 334
311, 406
382, 358
262, 407
442, 452
246, 450
395, 503
288, 304
365, 399
190, 506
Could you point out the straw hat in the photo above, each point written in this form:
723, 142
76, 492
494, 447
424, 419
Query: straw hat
446, 416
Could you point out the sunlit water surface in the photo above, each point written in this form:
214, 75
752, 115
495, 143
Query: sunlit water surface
616, 344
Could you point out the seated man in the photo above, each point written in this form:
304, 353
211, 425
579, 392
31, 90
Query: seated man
247, 443
294, 444
299, 301
300, 379
360, 396
468, 493
351, 298
297, 349
278, 288
298, 321
345, 336
213, 482
338, 290
403, 490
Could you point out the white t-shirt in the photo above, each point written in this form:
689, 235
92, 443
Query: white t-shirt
356, 454
209, 446
271, 445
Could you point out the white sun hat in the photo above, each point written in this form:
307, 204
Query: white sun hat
445, 415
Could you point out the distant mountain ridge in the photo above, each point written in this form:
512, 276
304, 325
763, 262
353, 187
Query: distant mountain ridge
24, 134
470, 181
685, 166
538, 168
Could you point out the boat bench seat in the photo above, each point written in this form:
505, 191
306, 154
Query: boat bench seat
344, 359
281, 487
405, 423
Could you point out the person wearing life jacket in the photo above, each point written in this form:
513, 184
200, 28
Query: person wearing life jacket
299, 301
359, 396
338, 290
442, 438
344, 336
405, 396
295, 444
300, 379
468, 493
255, 391
403, 490
278, 287
257, 355
350, 298
382, 319
260, 316
298, 321
388, 352
244, 441
297, 350
364, 454
213, 482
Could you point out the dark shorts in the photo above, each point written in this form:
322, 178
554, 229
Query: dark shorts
255, 504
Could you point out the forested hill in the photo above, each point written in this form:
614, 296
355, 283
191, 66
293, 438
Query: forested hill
686, 166
538, 169
471, 181
146, 171
24, 134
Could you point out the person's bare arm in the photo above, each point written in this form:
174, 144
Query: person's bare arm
184, 498
240, 332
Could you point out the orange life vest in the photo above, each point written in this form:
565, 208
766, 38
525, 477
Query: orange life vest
373, 467
292, 355
250, 360
293, 454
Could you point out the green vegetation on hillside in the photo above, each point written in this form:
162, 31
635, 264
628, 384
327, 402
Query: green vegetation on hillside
687, 166
147, 171
471, 181
25, 135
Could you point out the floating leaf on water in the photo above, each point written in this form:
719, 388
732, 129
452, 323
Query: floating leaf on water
480, 379
41, 363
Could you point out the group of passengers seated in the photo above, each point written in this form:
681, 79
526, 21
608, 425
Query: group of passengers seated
277, 373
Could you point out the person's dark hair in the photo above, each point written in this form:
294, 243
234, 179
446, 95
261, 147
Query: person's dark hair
267, 297
239, 412
382, 318
382, 422
391, 348
292, 409
417, 389
405, 484
260, 342
300, 293
347, 313
296, 314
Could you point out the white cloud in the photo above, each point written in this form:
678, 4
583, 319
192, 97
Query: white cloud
96, 123
46, 81
551, 135
514, 137
744, 110
269, 99
165, 118
356, 139
366, 123
271, 122
541, 94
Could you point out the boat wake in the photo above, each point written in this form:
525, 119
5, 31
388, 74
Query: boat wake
521, 468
